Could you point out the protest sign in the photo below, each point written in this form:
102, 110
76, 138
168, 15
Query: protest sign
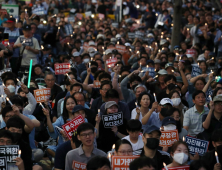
85, 46
101, 16
12, 10
3, 11
196, 71
121, 48
10, 152
112, 48
78, 166
79, 16
111, 120
191, 51
139, 35
96, 84
42, 95
111, 62
3, 163
115, 24
186, 167
39, 11
197, 145
26, 41
131, 35
61, 68
72, 125
88, 13
168, 138
122, 162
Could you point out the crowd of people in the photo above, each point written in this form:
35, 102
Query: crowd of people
126, 70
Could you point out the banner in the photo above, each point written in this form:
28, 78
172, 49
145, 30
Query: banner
111, 120
3, 163
39, 11
61, 68
131, 35
12, 10
187, 167
197, 145
78, 166
4, 11
42, 95
111, 62
96, 84
168, 138
191, 51
85, 46
196, 71
139, 34
79, 16
122, 162
101, 16
121, 48
72, 125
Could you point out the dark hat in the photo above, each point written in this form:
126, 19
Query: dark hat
78, 41
11, 20
177, 47
150, 61
151, 128
47, 46
78, 108
26, 27
168, 120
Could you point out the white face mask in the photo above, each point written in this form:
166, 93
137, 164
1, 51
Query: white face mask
176, 101
169, 127
11, 88
219, 95
86, 60
180, 158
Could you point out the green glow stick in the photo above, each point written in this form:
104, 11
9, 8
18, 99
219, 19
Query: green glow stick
30, 72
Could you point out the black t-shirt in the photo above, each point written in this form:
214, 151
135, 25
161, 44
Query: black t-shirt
162, 95
26, 154
54, 91
60, 155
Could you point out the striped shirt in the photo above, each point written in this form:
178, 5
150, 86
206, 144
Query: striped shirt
193, 119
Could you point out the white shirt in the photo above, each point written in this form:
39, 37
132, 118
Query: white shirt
137, 147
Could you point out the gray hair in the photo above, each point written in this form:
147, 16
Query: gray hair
49, 73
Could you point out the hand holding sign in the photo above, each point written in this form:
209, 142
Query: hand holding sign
114, 129
19, 163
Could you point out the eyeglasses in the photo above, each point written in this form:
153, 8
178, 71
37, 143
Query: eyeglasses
87, 134
124, 152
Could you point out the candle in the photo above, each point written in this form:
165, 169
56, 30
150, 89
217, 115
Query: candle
58, 29
26, 11
9, 101
99, 112
136, 104
137, 52
205, 24
156, 43
171, 25
113, 149
42, 47
173, 71
19, 153
109, 157
41, 105
23, 42
89, 65
68, 76
165, 166
103, 48
140, 65
198, 64
130, 50
183, 138
156, 14
68, 43
118, 42
187, 29
216, 157
19, 82
92, 15
119, 75
3, 98
79, 23
154, 96
3, 84
210, 98
59, 128
91, 58
156, 76
147, 66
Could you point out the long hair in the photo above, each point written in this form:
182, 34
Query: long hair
65, 114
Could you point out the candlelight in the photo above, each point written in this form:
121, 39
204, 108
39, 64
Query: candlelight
173, 71
137, 52
92, 15
113, 147
98, 110
118, 42
136, 103
184, 139
147, 66
79, 23
172, 25
42, 47
216, 153
156, 14
205, 24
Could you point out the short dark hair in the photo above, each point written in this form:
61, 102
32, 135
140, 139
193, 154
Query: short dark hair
76, 85
120, 142
201, 79
16, 122
9, 78
112, 93
17, 100
105, 75
105, 82
133, 125
19, 90
97, 73
165, 112
83, 127
170, 77
217, 135
6, 134
94, 63
141, 162
141, 95
75, 139
97, 162
135, 78
5, 110
196, 92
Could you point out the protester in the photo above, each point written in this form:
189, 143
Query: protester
123, 148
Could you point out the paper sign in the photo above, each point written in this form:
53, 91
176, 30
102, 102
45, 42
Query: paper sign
191, 51
121, 48
96, 84
85, 46
4, 11
3, 163
122, 162
10, 152
61, 68
88, 13
111, 62
168, 138
39, 11
101, 16
111, 120
78, 166
196, 71
42, 95
187, 167
78, 15
131, 35
72, 125
196, 145
12, 10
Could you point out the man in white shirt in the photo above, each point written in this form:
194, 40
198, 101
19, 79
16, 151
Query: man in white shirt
133, 128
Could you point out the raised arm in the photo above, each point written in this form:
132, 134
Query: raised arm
185, 82
208, 83
146, 118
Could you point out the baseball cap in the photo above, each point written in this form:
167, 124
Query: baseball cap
113, 40
108, 51
177, 47
109, 104
169, 65
168, 120
100, 36
118, 36
76, 54
11, 20
151, 128
162, 72
127, 44
157, 61
179, 79
140, 85
77, 108
163, 41
26, 27
150, 61
166, 101
150, 35
92, 43
217, 98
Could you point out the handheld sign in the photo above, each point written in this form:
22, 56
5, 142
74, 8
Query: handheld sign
131, 35
196, 71
111, 120
79, 16
62, 68
96, 84
197, 145
111, 62
122, 162
78, 166
186, 167
42, 95
3, 163
168, 138
3, 11
191, 51
72, 125
121, 48
101, 16
85, 46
